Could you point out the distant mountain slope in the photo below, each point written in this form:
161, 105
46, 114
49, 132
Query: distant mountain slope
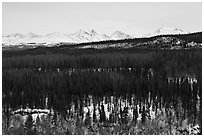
165, 31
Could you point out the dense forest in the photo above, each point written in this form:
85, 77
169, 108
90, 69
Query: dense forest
167, 82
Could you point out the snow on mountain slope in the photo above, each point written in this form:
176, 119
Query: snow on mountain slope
16, 35
12, 39
165, 31
80, 36
105, 37
56, 37
119, 35
30, 35
96, 36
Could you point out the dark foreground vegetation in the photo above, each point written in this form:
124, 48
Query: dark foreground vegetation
109, 91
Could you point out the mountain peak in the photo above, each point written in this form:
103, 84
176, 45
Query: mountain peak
119, 35
93, 32
54, 34
81, 31
30, 35
118, 32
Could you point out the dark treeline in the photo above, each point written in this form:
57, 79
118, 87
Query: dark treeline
181, 61
68, 50
54, 61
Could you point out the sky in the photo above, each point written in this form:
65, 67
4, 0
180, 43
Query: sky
132, 18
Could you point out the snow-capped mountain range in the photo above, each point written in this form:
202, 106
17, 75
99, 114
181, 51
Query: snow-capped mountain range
78, 37
56, 37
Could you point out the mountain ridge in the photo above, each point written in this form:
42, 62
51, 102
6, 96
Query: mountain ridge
81, 36
57, 37
176, 41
